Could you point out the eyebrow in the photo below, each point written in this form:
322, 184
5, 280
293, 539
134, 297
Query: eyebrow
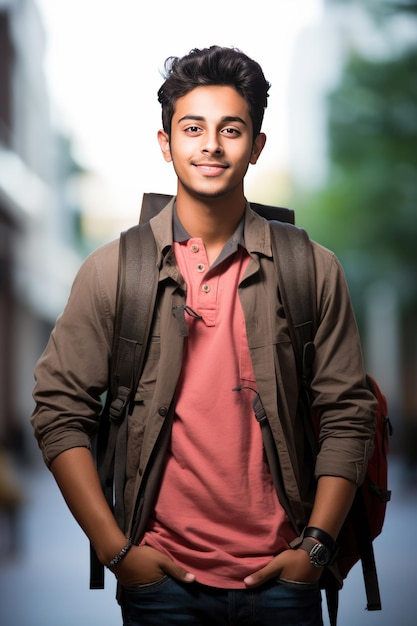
224, 119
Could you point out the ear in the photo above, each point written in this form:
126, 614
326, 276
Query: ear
258, 146
163, 140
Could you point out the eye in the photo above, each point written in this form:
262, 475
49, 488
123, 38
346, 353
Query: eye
193, 130
231, 131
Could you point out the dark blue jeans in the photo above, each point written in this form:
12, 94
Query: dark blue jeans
168, 602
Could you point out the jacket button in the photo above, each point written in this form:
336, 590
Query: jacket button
163, 411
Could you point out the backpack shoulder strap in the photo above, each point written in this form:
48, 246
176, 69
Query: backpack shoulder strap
152, 204
136, 294
294, 261
274, 213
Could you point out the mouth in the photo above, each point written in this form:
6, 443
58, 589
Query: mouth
210, 169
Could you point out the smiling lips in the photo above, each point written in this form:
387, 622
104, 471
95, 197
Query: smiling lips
210, 169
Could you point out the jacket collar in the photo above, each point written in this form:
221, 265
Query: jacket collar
256, 231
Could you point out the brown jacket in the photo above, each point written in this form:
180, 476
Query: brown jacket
72, 373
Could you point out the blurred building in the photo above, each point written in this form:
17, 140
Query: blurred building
38, 237
374, 30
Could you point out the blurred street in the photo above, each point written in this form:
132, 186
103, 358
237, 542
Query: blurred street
78, 122
47, 583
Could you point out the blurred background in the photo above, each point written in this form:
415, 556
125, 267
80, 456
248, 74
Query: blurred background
78, 123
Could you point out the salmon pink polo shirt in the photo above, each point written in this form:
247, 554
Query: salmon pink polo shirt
217, 513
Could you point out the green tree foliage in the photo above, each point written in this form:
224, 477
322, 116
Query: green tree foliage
368, 211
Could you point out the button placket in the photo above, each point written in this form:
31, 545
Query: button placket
206, 287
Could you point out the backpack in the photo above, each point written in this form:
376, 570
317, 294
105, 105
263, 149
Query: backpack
134, 309
295, 267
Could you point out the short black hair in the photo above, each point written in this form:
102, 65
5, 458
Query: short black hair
215, 65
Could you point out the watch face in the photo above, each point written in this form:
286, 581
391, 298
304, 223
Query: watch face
319, 555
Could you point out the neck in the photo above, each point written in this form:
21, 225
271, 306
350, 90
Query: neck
212, 219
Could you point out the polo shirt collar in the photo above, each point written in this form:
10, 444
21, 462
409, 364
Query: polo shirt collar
252, 232
180, 235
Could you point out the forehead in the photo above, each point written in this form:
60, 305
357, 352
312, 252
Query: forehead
212, 102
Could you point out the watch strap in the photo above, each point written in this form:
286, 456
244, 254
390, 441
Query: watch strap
307, 544
321, 536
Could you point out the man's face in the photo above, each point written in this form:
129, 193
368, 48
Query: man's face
211, 142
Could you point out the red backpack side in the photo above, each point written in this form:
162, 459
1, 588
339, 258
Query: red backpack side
366, 519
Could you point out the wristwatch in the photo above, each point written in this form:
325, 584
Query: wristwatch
320, 556
321, 547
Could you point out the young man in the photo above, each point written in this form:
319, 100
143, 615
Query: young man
216, 547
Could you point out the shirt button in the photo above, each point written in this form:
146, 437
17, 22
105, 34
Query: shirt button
201, 267
194, 247
206, 288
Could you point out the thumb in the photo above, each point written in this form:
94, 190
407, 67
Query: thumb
261, 576
176, 571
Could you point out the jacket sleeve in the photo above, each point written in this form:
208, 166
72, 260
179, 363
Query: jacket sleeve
72, 373
344, 404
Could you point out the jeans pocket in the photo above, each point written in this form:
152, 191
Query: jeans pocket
297, 584
155, 584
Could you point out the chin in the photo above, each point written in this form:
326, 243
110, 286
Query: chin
209, 193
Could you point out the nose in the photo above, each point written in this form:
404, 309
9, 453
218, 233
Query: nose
211, 143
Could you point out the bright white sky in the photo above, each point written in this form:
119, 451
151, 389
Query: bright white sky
103, 66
